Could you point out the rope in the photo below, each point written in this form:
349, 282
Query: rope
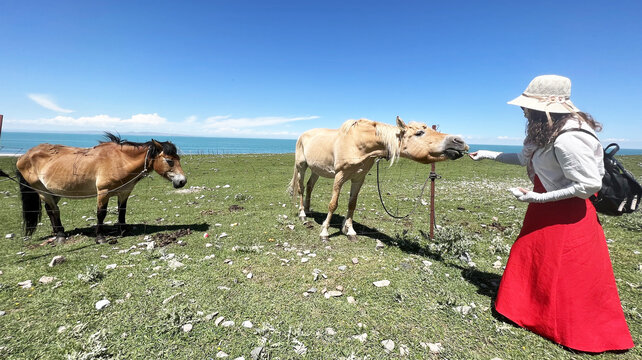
2, 173
432, 176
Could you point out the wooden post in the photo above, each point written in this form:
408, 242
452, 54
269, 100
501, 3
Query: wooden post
433, 176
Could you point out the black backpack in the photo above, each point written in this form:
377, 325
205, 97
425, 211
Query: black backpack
620, 192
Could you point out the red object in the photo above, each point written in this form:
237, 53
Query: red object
559, 280
1, 116
432, 196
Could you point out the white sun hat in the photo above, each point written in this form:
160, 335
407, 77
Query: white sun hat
547, 93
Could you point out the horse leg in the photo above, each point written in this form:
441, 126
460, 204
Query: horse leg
352, 204
53, 211
122, 210
101, 212
332, 207
301, 168
308, 191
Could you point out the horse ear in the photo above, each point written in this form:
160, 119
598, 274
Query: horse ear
400, 123
157, 145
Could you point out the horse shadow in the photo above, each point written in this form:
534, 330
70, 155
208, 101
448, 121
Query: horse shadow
136, 229
487, 283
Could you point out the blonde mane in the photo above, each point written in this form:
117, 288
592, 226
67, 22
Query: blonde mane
387, 134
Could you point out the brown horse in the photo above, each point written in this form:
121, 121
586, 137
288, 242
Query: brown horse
349, 152
112, 168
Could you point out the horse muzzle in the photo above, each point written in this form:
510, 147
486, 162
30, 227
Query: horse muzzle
455, 147
178, 181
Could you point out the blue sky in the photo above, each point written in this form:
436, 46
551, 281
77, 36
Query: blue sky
277, 68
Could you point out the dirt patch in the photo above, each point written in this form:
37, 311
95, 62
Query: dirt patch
210, 212
235, 208
164, 239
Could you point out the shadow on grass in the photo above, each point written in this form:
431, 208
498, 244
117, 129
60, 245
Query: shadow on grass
136, 229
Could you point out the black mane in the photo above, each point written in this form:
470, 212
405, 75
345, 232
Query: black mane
168, 147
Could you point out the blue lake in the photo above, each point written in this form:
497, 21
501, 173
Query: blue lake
19, 142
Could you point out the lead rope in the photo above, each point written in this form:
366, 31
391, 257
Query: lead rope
432, 176
2, 173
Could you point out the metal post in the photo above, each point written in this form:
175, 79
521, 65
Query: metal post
433, 176
1, 116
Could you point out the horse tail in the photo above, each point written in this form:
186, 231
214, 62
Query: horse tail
293, 188
31, 205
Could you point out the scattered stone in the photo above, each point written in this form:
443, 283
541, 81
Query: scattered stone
46, 279
101, 304
249, 275
3, 313
9, 236
355, 261
305, 259
332, 293
362, 338
219, 320
389, 345
379, 245
434, 348
222, 235
330, 331
403, 350
174, 264
256, 353
351, 300
221, 354
187, 328
224, 288
312, 290
247, 324
57, 260
342, 268
171, 298
25, 284
208, 245
299, 347
496, 358
110, 266
210, 316
227, 323
497, 264
339, 287
381, 283
291, 227
464, 310
61, 329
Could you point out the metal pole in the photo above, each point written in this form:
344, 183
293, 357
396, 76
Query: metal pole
433, 176
1, 116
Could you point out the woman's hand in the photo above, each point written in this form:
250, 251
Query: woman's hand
483, 154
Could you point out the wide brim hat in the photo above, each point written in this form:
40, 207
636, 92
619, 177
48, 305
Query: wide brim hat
547, 93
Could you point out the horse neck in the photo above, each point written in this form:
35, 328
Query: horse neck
136, 157
387, 139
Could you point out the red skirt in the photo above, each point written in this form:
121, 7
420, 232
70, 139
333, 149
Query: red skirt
559, 281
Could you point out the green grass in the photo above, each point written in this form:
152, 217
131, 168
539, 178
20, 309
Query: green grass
480, 217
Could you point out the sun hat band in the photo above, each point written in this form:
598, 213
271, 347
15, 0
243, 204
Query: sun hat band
553, 99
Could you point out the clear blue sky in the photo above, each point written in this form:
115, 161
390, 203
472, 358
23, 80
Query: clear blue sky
277, 68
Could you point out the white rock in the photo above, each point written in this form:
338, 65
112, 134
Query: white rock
363, 337
46, 279
497, 264
110, 266
221, 354
1, 272
219, 320
210, 316
351, 300
291, 227
150, 245
25, 284
355, 261
496, 358
227, 323
435, 348
9, 236
464, 310
247, 324
3, 313
57, 260
426, 262
61, 329
208, 245
239, 358
403, 350
187, 327
330, 331
381, 283
249, 275
332, 293
305, 259
171, 298
389, 345
342, 267
380, 245
174, 264
222, 235
101, 304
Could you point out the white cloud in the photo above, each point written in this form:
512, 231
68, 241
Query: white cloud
223, 126
46, 102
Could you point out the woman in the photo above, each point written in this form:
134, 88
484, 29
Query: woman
559, 280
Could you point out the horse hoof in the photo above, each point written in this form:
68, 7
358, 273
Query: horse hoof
324, 238
60, 240
101, 240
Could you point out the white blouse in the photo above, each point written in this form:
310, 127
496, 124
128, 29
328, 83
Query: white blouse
571, 166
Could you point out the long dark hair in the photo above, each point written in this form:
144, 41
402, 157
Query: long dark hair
540, 133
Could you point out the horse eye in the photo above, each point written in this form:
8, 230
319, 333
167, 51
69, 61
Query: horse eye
170, 162
419, 133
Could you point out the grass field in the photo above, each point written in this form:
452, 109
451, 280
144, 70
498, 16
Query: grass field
259, 264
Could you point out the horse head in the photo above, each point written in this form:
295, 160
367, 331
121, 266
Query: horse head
421, 143
167, 163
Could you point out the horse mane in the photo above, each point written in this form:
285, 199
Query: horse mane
388, 134
168, 147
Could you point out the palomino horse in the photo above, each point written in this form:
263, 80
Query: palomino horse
112, 168
349, 152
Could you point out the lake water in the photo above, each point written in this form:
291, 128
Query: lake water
20, 142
